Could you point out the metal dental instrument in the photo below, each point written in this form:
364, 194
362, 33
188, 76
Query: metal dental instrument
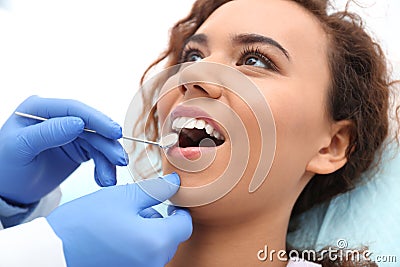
166, 141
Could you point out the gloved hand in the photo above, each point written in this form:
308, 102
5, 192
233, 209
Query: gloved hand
35, 156
116, 226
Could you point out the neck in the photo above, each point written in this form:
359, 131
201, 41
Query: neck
236, 244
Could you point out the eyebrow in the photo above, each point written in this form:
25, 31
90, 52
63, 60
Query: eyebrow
197, 38
256, 38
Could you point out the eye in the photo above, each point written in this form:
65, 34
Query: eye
191, 55
254, 61
253, 57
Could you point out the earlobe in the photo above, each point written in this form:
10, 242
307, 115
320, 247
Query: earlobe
333, 156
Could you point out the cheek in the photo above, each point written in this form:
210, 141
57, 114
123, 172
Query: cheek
166, 103
301, 126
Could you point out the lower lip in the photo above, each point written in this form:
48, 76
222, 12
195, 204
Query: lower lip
191, 153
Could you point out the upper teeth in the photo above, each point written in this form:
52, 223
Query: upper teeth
190, 123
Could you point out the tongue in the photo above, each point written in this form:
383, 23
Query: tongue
192, 137
196, 134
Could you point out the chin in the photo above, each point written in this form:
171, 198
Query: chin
194, 180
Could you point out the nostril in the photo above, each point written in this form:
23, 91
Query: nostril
198, 87
184, 88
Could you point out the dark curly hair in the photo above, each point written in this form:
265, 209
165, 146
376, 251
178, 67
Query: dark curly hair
359, 92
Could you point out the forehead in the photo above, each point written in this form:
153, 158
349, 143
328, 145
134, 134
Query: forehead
277, 17
296, 29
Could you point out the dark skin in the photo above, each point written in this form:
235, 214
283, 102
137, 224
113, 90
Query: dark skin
232, 237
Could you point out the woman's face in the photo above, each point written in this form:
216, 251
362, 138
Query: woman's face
282, 49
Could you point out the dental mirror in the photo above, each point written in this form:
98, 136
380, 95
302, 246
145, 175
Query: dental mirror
166, 141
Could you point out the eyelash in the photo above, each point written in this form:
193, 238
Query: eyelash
255, 51
186, 52
247, 51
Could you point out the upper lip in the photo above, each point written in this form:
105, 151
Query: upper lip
194, 112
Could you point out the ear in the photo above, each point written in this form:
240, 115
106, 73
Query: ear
333, 156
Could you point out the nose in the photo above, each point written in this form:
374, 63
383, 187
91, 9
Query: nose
199, 80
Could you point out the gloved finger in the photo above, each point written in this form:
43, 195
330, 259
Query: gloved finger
49, 134
150, 192
171, 209
105, 173
52, 107
179, 224
150, 213
111, 149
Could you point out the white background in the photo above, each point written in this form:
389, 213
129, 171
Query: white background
95, 51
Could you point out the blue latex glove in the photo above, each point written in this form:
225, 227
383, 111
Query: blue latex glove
35, 156
116, 226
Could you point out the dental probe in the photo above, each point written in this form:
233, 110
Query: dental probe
166, 141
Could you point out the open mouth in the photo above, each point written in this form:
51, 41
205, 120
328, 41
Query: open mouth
196, 132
